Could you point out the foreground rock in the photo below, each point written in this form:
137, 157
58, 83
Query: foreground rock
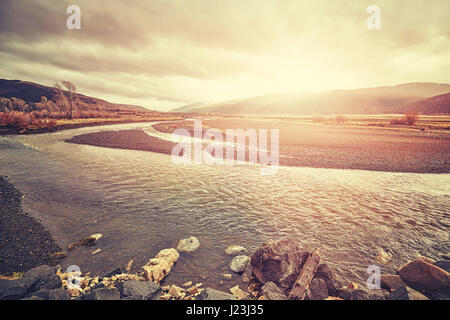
103, 294
138, 290
235, 250
391, 282
405, 293
188, 245
39, 279
272, 292
213, 294
303, 282
239, 263
239, 293
425, 277
325, 273
317, 290
278, 261
159, 267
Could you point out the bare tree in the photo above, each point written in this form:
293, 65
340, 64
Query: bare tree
67, 91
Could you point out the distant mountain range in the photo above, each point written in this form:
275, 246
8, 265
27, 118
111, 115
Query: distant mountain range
32, 92
424, 97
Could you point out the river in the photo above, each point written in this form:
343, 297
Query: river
142, 202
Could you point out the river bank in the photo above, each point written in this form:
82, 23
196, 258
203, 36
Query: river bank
316, 146
278, 270
64, 124
24, 242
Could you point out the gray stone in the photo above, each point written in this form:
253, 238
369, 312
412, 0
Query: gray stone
33, 298
235, 250
144, 289
317, 289
239, 263
272, 292
360, 294
103, 294
58, 294
444, 264
344, 294
188, 245
132, 298
12, 289
42, 278
213, 294
55, 294
405, 293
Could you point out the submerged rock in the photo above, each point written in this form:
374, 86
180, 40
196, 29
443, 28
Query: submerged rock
272, 292
188, 245
425, 277
279, 261
239, 263
87, 241
160, 266
235, 250
383, 257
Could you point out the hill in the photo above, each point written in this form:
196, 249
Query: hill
32, 93
378, 100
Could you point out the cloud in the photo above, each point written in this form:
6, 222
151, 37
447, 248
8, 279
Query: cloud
166, 52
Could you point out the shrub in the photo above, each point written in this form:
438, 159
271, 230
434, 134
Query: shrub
340, 119
409, 119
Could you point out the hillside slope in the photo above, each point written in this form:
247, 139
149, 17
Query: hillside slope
32, 92
390, 99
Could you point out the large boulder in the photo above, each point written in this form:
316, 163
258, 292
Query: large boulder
279, 261
188, 245
391, 281
213, 294
272, 292
239, 264
157, 268
139, 290
425, 277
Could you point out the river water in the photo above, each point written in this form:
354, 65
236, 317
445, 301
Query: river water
142, 202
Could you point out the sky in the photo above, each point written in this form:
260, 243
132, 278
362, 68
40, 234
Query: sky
163, 54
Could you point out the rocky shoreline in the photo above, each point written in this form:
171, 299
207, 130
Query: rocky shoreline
278, 270
24, 242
